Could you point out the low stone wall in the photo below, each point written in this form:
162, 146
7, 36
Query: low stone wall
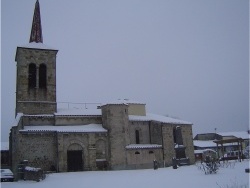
35, 174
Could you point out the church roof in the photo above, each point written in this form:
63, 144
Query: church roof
160, 118
90, 128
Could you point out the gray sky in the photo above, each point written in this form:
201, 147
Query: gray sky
187, 58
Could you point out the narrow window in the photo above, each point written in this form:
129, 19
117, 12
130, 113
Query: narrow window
137, 137
174, 134
178, 135
42, 76
137, 152
32, 76
150, 152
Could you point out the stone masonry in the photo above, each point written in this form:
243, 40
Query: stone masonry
35, 100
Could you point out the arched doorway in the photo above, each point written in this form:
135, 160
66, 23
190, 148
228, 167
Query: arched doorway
75, 155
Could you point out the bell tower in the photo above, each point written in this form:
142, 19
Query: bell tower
36, 73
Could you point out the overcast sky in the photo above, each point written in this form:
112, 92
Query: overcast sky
187, 58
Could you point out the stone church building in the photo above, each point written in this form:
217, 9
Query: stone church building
116, 135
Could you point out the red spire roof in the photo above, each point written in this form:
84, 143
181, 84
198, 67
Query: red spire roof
36, 30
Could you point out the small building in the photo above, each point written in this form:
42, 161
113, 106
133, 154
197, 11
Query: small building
244, 135
224, 143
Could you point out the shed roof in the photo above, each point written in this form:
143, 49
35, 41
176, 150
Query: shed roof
226, 141
207, 143
239, 134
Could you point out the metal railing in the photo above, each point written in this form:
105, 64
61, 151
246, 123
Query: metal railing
78, 105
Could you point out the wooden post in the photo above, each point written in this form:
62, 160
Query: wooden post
222, 150
218, 150
241, 152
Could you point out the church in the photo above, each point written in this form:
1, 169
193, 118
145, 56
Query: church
116, 135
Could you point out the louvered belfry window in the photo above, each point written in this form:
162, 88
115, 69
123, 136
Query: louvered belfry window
42, 76
32, 76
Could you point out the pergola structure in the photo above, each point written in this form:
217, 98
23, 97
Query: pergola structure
229, 140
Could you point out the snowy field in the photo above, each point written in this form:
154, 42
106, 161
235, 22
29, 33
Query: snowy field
230, 176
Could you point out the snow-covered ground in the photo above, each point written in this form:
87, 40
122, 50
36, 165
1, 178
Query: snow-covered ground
229, 176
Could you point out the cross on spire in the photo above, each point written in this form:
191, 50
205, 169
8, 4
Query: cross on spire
36, 30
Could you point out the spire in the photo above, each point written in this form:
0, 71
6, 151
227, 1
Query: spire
36, 30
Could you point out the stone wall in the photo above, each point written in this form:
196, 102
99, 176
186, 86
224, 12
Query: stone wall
156, 132
40, 149
77, 120
38, 120
35, 100
187, 135
115, 120
60, 120
143, 158
15, 145
37, 107
87, 143
137, 109
169, 145
144, 133
65, 141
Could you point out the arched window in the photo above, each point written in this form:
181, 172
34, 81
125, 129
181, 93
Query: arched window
32, 76
137, 137
137, 152
42, 76
150, 152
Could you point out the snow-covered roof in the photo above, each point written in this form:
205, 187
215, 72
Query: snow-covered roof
38, 115
160, 118
200, 151
35, 45
4, 146
143, 146
204, 143
240, 134
78, 112
209, 143
69, 128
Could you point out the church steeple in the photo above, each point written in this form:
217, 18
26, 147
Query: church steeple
36, 30
36, 73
